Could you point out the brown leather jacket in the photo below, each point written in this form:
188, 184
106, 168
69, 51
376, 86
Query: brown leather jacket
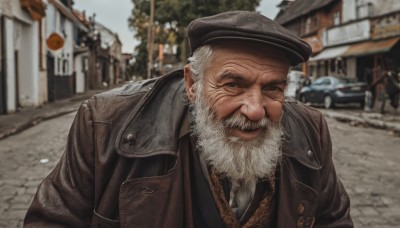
126, 164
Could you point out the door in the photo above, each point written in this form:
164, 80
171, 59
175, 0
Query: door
50, 78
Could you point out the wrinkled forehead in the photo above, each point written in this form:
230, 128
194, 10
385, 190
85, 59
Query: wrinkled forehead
249, 48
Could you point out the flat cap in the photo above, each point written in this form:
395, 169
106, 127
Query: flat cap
247, 26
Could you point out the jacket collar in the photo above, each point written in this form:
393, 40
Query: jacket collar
154, 125
300, 142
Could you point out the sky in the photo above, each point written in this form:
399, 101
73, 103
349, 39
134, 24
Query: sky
115, 16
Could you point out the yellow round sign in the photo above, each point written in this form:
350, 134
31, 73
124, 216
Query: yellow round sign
55, 41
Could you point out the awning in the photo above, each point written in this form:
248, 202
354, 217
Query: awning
330, 53
36, 8
371, 47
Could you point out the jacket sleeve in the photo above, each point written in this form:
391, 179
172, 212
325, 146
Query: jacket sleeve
334, 203
65, 197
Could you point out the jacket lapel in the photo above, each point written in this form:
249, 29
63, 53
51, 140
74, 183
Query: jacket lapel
156, 119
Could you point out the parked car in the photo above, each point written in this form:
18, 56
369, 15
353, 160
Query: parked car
331, 90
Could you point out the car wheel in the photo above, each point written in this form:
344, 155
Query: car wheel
303, 99
328, 102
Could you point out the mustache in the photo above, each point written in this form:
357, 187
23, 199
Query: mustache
240, 121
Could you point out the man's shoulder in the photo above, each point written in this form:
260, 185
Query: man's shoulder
294, 107
135, 88
122, 100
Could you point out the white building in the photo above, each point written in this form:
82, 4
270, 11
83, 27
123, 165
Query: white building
110, 56
67, 65
23, 66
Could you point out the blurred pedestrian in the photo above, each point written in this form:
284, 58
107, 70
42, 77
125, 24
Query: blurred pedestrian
391, 89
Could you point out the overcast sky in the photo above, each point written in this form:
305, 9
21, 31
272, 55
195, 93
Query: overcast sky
114, 15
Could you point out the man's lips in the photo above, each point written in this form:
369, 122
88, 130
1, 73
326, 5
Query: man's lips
247, 133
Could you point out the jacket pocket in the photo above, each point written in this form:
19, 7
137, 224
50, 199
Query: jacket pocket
297, 201
99, 221
152, 201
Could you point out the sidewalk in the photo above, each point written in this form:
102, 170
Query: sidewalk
17, 122
356, 116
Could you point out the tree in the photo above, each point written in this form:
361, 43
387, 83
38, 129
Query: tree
171, 19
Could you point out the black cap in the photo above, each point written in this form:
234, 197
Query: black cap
247, 26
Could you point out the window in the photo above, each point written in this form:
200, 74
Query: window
333, 65
308, 25
336, 18
315, 22
363, 9
65, 67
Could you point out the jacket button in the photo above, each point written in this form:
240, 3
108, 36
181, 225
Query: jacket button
310, 154
301, 223
300, 209
131, 137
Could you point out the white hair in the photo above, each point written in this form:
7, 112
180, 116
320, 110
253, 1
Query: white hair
199, 62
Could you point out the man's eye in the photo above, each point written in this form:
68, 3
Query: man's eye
232, 85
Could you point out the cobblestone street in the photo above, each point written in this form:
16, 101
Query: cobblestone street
366, 160
25, 159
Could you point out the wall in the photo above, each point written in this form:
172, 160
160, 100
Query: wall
348, 12
354, 32
9, 56
80, 74
43, 94
351, 65
379, 7
29, 80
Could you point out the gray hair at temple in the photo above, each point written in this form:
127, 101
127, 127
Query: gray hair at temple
199, 61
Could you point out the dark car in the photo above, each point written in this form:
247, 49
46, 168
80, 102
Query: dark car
331, 90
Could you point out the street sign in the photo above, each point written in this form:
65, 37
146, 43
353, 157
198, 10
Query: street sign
55, 41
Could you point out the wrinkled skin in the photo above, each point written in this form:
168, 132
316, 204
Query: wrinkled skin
248, 80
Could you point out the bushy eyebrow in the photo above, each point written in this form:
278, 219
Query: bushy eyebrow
277, 82
239, 77
231, 75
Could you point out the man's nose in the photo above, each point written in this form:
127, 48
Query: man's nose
253, 107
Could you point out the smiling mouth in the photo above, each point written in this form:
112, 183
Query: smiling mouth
248, 129
245, 133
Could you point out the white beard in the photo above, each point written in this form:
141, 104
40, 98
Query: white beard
240, 160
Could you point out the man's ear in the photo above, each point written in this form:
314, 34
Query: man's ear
189, 83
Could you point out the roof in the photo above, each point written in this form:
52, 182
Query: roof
68, 13
108, 37
81, 17
300, 8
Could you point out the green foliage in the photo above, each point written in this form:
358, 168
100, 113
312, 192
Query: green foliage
140, 65
171, 18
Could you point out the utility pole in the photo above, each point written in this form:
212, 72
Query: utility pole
150, 40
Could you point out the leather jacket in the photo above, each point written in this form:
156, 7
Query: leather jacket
126, 165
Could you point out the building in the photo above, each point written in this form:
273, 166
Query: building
66, 65
50, 51
109, 57
22, 50
351, 38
